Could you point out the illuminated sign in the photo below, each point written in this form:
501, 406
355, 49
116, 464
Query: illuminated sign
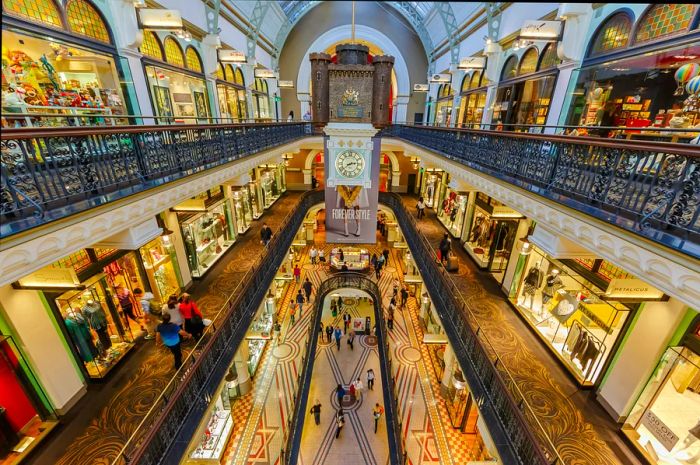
47, 278
190, 205
285, 84
540, 30
152, 18
264, 73
632, 290
231, 56
421, 87
472, 63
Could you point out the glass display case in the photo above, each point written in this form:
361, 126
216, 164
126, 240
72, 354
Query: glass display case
242, 209
255, 194
355, 259
569, 313
207, 236
209, 443
160, 263
431, 186
97, 331
255, 351
261, 326
270, 189
453, 210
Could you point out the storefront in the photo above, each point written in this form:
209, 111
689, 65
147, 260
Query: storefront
162, 269
635, 76
272, 183
26, 416
175, 80
230, 88
443, 105
471, 108
261, 100
453, 211
491, 233
260, 332
242, 208
572, 308
433, 183
525, 89
64, 69
664, 424
208, 229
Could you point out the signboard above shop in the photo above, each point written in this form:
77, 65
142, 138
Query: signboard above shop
50, 278
632, 290
421, 87
153, 18
444, 77
231, 56
285, 84
540, 30
472, 63
264, 73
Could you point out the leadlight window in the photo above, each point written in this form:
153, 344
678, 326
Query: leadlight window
219, 72
465, 84
78, 261
193, 61
549, 57
239, 77
173, 52
475, 80
528, 63
151, 46
38, 11
609, 271
664, 19
509, 68
613, 35
228, 72
84, 19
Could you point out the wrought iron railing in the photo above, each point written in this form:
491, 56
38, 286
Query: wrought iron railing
648, 188
392, 416
48, 174
512, 421
197, 379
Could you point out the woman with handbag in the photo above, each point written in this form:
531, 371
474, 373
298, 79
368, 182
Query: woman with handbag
193, 317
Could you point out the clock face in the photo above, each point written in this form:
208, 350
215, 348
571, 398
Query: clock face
350, 164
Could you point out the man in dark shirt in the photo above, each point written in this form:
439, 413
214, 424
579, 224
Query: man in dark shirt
445, 247
308, 287
265, 234
170, 334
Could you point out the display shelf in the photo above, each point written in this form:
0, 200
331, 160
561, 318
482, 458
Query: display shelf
213, 447
204, 247
157, 263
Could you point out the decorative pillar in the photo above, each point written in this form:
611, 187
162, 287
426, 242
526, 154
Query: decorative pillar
240, 360
307, 177
457, 76
395, 181
249, 78
493, 69
172, 224
209, 46
449, 359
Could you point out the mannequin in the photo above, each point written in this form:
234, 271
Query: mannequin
552, 285
97, 320
477, 228
80, 334
191, 251
532, 282
429, 191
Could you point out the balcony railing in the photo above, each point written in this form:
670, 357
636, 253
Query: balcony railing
182, 400
392, 416
648, 188
48, 174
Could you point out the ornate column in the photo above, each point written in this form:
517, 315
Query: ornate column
449, 359
249, 77
209, 45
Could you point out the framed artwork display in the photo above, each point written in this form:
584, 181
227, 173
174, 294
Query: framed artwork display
200, 104
164, 106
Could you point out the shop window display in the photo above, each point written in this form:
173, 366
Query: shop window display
179, 96
242, 209
124, 275
569, 313
207, 236
160, 263
47, 76
665, 421
98, 333
431, 186
25, 415
453, 211
270, 188
209, 442
255, 194
261, 99
255, 352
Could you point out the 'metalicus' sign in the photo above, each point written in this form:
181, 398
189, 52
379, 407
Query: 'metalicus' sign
632, 290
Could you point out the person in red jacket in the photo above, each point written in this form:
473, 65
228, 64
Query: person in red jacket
193, 317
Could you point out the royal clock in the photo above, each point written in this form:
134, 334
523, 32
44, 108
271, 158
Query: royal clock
350, 164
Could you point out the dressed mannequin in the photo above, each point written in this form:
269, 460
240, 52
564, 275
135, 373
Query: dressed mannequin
191, 251
429, 191
97, 320
553, 284
80, 334
532, 282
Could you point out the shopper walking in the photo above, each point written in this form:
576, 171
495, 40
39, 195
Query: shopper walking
321, 257
193, 317
308, 287
445, 247
265, 234
358, 387
340, 393
145, 299
300, 301
420, 206
313, 253
346, 322
373, 261
385, 253
127, 303
292, 314
404, 296
320, 330
169, 333
377, 412
316, 410
329, 332
339, 422
338, 335
390, 321
351, 339
297, 273
173, 309
370, 379
340, 303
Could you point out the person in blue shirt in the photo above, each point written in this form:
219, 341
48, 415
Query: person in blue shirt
170, 334
338, 334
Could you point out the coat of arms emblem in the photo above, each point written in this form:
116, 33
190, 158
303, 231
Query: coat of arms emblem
351, 97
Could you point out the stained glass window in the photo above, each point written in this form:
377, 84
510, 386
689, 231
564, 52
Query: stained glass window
239, 77
609, 271
104, 253
173, 52
509, 68
83, 19
39, 11
228, 72
465, 84
664, 19
219, 72
193, 62
151, 46
614, 34
528, 63
476, 80
549, 57
78, 261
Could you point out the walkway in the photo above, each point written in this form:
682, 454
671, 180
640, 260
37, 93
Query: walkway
581, 430
98, 427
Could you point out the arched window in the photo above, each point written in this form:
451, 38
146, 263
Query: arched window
193, 61
613, 34
84, 19
445, 91
475, 80
151, 45
219, 72
509, 68
38, 11
664, 19
265, 89
173, 52
239, 77
528, 63
465, 83
549, 57
228, 72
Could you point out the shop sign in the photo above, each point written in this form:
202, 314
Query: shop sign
48, 278
285, 84
501, 211
231, 56
152, 18
632, 290
540, 30
190, 205
659, 429
445, 77
472, 63
421, 87
264, 73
